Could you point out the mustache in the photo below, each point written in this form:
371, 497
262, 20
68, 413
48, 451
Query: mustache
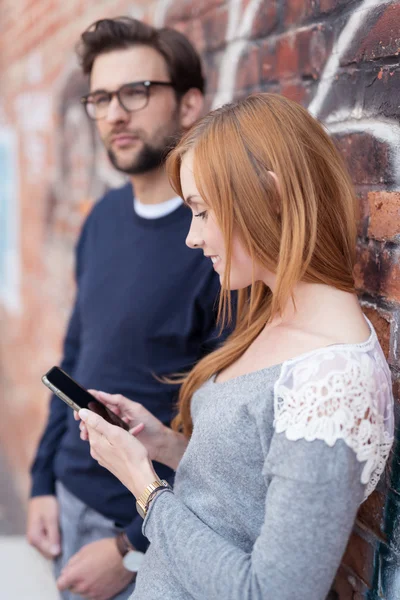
138, 133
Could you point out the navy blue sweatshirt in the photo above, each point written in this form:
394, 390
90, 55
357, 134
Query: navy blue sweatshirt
145, 307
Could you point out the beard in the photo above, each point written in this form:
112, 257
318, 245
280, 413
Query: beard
148, 158
152, 155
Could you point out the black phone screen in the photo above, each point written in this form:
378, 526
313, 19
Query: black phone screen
63, 382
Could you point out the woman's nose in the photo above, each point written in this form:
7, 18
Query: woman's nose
194, 239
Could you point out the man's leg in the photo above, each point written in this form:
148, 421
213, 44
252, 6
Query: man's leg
81, 525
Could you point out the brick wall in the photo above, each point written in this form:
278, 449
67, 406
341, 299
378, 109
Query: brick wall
338, 57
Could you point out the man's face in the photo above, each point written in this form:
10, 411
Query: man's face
137, 141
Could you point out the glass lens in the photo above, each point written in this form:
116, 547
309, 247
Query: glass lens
97, 105
133, 97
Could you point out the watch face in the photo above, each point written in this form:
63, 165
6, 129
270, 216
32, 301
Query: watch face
132, 560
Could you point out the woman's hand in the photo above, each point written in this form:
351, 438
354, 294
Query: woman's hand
163, 445
119, 452
142, 424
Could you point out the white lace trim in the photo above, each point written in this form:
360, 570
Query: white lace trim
340, 393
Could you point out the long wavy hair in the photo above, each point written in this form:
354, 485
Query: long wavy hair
301, 224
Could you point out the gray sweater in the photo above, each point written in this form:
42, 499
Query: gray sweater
267, 491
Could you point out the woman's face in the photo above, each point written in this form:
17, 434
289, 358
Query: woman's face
206, 234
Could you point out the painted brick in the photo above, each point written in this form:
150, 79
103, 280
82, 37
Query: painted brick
266, 20
249, 69
380, 40
303, 53
297, 12
371, 514
188, 9
381, 91
288, 46
215, 23
358, 558
367, 158
384, 215
381, 322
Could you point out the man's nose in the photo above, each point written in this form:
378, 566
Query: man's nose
116, 112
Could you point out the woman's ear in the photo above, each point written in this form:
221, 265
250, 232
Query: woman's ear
191, 107
278, 189
275, 178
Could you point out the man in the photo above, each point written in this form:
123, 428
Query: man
144, 306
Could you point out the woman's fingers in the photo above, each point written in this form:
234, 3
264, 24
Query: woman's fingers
111, 401
83, 431
137, 429
115, 401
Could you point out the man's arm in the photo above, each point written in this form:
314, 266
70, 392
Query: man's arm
43, 481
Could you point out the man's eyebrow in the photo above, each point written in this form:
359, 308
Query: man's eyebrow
98, 91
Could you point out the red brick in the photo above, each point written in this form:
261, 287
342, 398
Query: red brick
303, 53
268, 61
377, 271
248, 75
384, 219
297, 91
381, 40
368, 159
187, 9
348, 586
381, 322
301, 11
287, 61
193, 30
390, 273
266, 19
358, 557
362, 213
215, 24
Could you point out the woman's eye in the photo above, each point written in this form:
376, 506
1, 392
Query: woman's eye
202, 215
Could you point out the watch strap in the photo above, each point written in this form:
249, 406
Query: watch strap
123, 544
143, 501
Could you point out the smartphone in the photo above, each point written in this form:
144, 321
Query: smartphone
68, 390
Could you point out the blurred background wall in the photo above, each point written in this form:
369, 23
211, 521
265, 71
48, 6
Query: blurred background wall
337, 57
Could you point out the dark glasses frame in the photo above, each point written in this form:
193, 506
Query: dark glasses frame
86, 100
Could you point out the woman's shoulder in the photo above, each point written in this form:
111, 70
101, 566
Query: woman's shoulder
341, 392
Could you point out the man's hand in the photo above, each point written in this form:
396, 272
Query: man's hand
43, 531
95, 572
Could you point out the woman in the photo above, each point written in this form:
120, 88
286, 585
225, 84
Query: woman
284, 430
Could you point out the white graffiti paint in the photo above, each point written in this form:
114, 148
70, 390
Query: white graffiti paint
346, 37
383, 130
238, 30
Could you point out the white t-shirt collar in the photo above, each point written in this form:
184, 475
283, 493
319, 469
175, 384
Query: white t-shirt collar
155, 211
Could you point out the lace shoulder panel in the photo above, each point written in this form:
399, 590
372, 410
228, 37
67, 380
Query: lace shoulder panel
339, 393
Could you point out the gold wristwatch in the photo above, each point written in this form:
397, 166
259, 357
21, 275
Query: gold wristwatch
142, 503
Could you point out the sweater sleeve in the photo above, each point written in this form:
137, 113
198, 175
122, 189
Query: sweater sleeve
43, 479
42, 472
306, 527
330, 443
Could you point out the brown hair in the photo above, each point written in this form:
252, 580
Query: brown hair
106, 35
305, 230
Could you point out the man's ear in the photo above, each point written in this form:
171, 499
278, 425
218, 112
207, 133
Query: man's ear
191, 107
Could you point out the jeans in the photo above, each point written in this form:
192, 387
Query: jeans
79, 526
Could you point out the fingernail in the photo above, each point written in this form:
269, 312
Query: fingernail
83, 413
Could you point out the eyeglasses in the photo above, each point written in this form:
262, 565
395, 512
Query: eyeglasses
131, 97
